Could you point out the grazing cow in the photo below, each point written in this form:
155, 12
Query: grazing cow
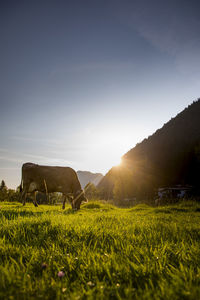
47, 179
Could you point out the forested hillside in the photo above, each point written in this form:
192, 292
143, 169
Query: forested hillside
170, 156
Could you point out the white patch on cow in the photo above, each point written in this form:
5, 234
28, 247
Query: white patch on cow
32, 187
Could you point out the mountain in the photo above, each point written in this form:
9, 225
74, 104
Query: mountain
86, 176
170, 156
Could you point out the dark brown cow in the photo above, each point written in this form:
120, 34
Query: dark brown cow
47, 179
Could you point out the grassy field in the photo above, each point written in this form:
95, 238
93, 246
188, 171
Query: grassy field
100, 252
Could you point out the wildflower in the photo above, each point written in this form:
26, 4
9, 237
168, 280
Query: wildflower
61, 274
64, 290
117, 284
44, 266
90, 283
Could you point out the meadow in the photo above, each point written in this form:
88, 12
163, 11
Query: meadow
100, 252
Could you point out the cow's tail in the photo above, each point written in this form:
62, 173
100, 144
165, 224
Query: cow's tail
46, 190
21, 186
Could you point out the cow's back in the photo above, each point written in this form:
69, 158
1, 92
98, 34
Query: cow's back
50, 178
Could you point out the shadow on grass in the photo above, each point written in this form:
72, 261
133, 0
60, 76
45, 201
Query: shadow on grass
92, 205
178, 209
100, 206
15, 204
140, 207
162, 210
10, 214
170, 210
69, 211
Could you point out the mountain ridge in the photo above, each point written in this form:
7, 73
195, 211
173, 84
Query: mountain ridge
171, 155
86, 176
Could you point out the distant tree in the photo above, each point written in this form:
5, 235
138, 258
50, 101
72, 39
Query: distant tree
18, 189
55, 198
12, 196
8, 195
3, 186
91, 192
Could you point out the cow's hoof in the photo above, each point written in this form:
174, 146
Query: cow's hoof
63, 207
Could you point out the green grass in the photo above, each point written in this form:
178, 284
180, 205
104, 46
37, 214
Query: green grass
105, 252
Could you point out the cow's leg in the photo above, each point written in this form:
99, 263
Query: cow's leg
35, 199
73, 204
23, 197
48, 198
71, 201
64, 200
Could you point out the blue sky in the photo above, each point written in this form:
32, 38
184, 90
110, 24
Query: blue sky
81, 82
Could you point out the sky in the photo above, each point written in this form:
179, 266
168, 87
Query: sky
81, 82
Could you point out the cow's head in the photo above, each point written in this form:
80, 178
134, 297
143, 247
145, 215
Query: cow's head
79, 198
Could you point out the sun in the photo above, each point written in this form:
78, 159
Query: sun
107, 146
119, 164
